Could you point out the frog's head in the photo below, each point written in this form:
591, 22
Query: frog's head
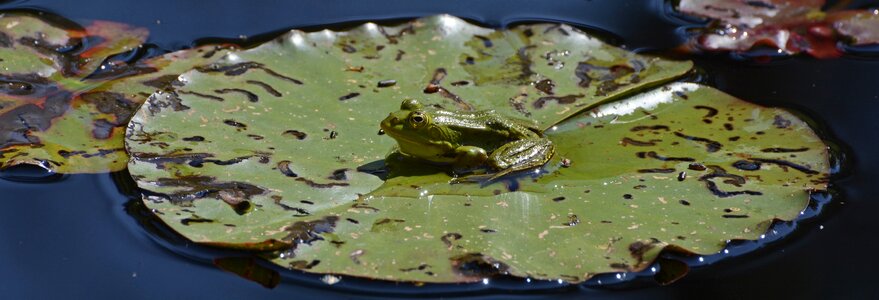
410, 127
409, 124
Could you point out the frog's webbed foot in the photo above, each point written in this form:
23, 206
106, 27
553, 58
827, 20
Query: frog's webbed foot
512, 157
482, 179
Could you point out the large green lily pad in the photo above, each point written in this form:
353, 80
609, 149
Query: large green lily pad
54, 112
276, 149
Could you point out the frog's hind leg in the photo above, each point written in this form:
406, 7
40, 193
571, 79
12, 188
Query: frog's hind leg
520, 155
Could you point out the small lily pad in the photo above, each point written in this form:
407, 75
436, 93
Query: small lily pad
53, 113
276, 150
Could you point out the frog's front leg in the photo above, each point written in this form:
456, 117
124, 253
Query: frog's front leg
469, 157
520, 155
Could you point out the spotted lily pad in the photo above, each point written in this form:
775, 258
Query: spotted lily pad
55, 112
684, 167
276, 150
791, 26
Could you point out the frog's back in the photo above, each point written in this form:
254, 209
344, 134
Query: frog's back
484, 129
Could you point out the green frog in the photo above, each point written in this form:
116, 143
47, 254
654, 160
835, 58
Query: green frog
467, 140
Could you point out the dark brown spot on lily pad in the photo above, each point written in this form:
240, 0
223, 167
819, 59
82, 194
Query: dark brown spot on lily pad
237, 200
448, 238
653, 154
195, 138
314, 184
340, 174
201, 95
786, 164
195, 219
711, 110
348, 96
386, 83
784, 150
546, 86
234, 123
630, 141
163, 82
386, 225
781, 122
652, 127
306, 232
250, 95
200, 187
657, 170
159, 101
710, 146
478, 265
299, 135
746, 165
567, 99
696, 167
736, 180
268, 88
241, 68
284, 168
732, 216
619, 266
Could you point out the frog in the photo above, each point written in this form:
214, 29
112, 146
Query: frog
467, 140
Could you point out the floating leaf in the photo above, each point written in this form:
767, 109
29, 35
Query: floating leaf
275, 149
300, 114
52, 114
685, 166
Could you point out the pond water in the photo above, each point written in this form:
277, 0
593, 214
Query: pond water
83, 236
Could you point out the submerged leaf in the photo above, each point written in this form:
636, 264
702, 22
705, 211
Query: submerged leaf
53, 114
749, 13
275, 149
790, 26
862, 27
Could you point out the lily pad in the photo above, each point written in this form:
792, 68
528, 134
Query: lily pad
684, 167
55, 112
276, 150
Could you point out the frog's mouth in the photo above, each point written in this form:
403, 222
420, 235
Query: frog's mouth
392, 126
393, 130
399, 137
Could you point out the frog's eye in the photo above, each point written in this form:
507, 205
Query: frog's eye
410, 104
417, 118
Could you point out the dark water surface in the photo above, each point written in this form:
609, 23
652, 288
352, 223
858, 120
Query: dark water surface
74, 237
